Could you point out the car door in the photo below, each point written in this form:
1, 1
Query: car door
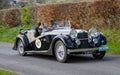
43, 43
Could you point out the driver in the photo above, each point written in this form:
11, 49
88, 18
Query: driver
40, 25
39, 29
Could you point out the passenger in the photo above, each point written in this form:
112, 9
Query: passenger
53, 24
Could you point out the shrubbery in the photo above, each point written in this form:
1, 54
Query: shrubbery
11, 17
15, 16
83, 14
104, 14
1, 22
28, 15
75, 12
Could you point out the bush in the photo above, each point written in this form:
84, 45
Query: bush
75, 12
1, 22
25, 15
83, 14
28, 15
102, 14
109, 11
11, 17
15, 16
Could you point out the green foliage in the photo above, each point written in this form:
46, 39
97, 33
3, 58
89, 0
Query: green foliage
28, 15
9, 34
113, 40
25, 15
0, 17
3, 72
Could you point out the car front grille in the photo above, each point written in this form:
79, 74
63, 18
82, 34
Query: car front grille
84, 44
82, 35
84, 40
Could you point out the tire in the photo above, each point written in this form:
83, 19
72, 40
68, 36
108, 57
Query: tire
21, 48
60, 52
99, 55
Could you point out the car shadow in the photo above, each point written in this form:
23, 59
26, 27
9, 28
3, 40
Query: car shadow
82, 59
89, 59
77, 58
41, 56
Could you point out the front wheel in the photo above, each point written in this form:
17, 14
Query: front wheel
99, 55
60, 52
21, 48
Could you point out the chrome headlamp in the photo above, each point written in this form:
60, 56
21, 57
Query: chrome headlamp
93, 35
93, 32
73, 34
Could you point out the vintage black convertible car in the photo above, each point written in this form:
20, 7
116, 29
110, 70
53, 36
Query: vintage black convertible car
61, 41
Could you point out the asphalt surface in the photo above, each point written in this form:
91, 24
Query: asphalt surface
47, 65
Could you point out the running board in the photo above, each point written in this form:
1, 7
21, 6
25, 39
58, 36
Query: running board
45, 51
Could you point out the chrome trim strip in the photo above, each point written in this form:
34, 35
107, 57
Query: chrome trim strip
45, 51
84, 39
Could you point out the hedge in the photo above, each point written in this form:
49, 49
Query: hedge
11, 17
83, 14
103, 14
1, 22
75, 12
28, 15
14, 16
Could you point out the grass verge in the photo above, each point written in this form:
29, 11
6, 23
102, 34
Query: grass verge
3, 72
9, 34
113, 37
113, 40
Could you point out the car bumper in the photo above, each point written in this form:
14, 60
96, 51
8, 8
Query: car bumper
101, 48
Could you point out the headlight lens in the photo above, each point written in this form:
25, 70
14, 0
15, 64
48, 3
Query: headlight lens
73, 34
93, 32
93, 35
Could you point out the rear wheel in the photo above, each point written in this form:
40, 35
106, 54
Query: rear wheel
60, 52
21, 48
99, 55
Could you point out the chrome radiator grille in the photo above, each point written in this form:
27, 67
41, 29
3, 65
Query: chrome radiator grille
82, 35
84, 40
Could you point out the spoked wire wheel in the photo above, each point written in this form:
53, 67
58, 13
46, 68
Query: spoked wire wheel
21, 48
60, 52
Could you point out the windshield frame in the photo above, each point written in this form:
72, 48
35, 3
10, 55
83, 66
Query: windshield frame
60, 24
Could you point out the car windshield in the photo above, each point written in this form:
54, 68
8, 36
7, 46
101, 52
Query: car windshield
60, 24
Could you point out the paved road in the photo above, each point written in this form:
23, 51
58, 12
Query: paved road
47, 65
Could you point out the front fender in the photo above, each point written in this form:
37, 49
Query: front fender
101, 37
23, 38
66, 41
